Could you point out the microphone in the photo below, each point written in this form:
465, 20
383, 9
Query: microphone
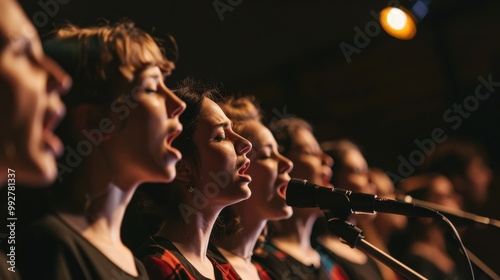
457, 216
303, 194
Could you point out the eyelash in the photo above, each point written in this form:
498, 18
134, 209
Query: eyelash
220, 138
148, 90
265, 157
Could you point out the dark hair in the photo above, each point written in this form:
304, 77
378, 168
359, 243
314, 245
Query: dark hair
418, 187
192, 92
99, 57
452, 158
337, 150
284, 131
100, 60
155, 204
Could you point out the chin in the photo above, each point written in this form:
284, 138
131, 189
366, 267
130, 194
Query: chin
170, 174
282, 213
41, 174
244, 193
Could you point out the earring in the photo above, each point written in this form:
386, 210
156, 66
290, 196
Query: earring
190, 187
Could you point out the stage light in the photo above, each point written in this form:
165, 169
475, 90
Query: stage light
401, 21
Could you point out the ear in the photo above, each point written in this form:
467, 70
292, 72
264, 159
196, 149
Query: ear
90, 117
184, 171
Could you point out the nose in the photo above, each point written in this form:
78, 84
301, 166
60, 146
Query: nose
242, 145
284, 164
58, 80
175, 106
327, 160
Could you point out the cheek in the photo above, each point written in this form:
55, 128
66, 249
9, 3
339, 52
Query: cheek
218, 158
303, 170
262, 171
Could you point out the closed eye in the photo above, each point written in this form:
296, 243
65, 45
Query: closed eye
149, 90
219, 138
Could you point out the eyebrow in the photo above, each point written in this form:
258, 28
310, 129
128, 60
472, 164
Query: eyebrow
268, 146
224, 124
155, 77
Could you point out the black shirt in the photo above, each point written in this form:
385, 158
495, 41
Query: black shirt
51, 249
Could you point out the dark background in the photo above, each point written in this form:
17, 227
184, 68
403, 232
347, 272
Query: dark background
287, 54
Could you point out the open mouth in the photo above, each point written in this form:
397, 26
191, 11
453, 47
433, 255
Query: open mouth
173, 134
281, 189
52, 143
244, 168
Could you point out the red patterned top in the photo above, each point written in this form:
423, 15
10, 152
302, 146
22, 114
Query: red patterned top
217, 255
164, 261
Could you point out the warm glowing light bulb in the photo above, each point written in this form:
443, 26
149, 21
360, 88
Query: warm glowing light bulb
396, 18
398, 23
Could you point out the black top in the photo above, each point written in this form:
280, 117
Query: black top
51, 249
355, 271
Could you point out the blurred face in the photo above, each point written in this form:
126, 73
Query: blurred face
222, 162
387, 223
142, 145
441, 192
30, 105
479, 179
310, 163
269, 171
354, 174
309, 160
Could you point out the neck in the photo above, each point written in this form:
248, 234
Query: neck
296, 230
242, 244
192, 236
98, 202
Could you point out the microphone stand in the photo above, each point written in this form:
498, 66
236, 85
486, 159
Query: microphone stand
461, 217
353, 236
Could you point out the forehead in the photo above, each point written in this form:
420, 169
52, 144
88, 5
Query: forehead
258, 134
13, 22
151, 71
354, 158
304, 138
211, 113
441, 186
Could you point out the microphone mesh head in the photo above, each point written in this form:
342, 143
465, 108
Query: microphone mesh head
300, 193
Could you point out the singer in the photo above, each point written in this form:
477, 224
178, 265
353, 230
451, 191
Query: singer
350, 171
427, 251
289, 251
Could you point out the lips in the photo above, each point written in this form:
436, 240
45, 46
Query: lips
173, 133
281, 189
52, 143
326, 176
243, 169
51, 119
